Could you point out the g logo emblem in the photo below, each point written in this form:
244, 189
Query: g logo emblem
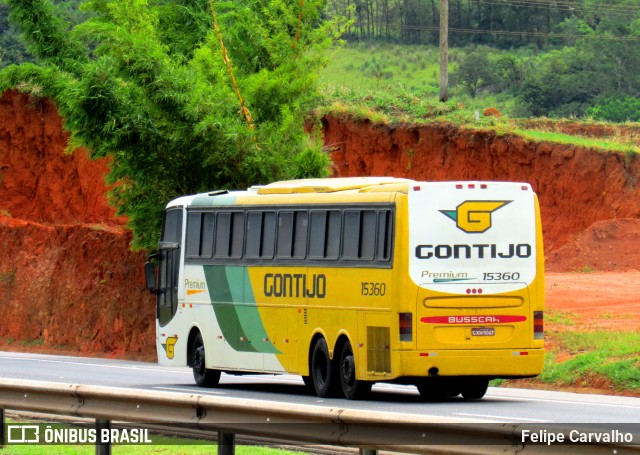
474, 217
169, 347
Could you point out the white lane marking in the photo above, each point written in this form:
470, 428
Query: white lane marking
499, 417
549, 400
204, 392
121, 367
267, 377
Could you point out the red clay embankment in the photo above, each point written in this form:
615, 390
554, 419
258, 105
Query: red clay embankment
68, 281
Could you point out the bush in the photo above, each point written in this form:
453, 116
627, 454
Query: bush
615, 109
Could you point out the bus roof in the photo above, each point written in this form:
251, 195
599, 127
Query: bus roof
314, 188
328, 185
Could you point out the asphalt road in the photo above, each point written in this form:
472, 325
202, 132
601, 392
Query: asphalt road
498, 405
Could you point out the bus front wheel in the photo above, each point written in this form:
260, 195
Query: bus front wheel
203, 376
325, 381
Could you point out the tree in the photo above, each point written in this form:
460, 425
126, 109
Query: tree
145, 83
473, 71
564, 83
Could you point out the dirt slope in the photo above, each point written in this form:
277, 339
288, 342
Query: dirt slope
69, 282
67, 278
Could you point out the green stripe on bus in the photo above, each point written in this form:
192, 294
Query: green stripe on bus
251, 321
225, 308
235, 309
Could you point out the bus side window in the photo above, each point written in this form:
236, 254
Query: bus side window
385, 236
284, 247
200, 229
261, 234
206, 239
324, 239
292, 234
318, 233
359, 235
194, 230
172, 228
300, 228
229, 238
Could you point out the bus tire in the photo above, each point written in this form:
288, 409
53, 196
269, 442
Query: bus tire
352, 388
308, 383
429, 391
204, 377
325, 381
474, 389
437, 389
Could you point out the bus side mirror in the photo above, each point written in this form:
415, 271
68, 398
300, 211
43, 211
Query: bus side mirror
150, 274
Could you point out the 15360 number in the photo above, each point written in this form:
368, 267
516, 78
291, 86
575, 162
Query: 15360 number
374, 289
497, 276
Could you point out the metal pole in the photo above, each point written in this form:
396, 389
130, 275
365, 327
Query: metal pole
444, 49
226, 443
2, 425
102, 448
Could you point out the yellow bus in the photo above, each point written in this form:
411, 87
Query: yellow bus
352, 281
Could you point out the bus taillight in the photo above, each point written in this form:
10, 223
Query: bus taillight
538, 325
406, 326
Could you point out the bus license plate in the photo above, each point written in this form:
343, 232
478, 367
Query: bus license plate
483, 331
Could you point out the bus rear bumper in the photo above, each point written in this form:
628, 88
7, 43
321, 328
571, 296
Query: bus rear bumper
496, 362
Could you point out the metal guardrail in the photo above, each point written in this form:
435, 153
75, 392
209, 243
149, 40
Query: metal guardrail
368, 430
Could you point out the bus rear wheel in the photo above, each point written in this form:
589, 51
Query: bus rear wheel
352, 388
204, 377
324, 378
474, 389
436, 389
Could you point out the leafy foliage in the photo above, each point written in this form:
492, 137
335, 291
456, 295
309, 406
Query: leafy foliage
144, 82
614, 109
473, 71
604, 62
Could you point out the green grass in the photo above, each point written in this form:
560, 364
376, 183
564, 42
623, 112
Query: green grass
393, 83
387, 107
558, 317
545, 136
378, 66
160, 449
614, 356
162, 445
591, 359
34, 342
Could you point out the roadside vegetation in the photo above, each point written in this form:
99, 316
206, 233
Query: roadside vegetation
598, 359
165, 446
591, 357
162, 445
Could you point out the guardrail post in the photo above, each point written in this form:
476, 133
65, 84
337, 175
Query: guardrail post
2, 425
364, 451
102, 448
226, 443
